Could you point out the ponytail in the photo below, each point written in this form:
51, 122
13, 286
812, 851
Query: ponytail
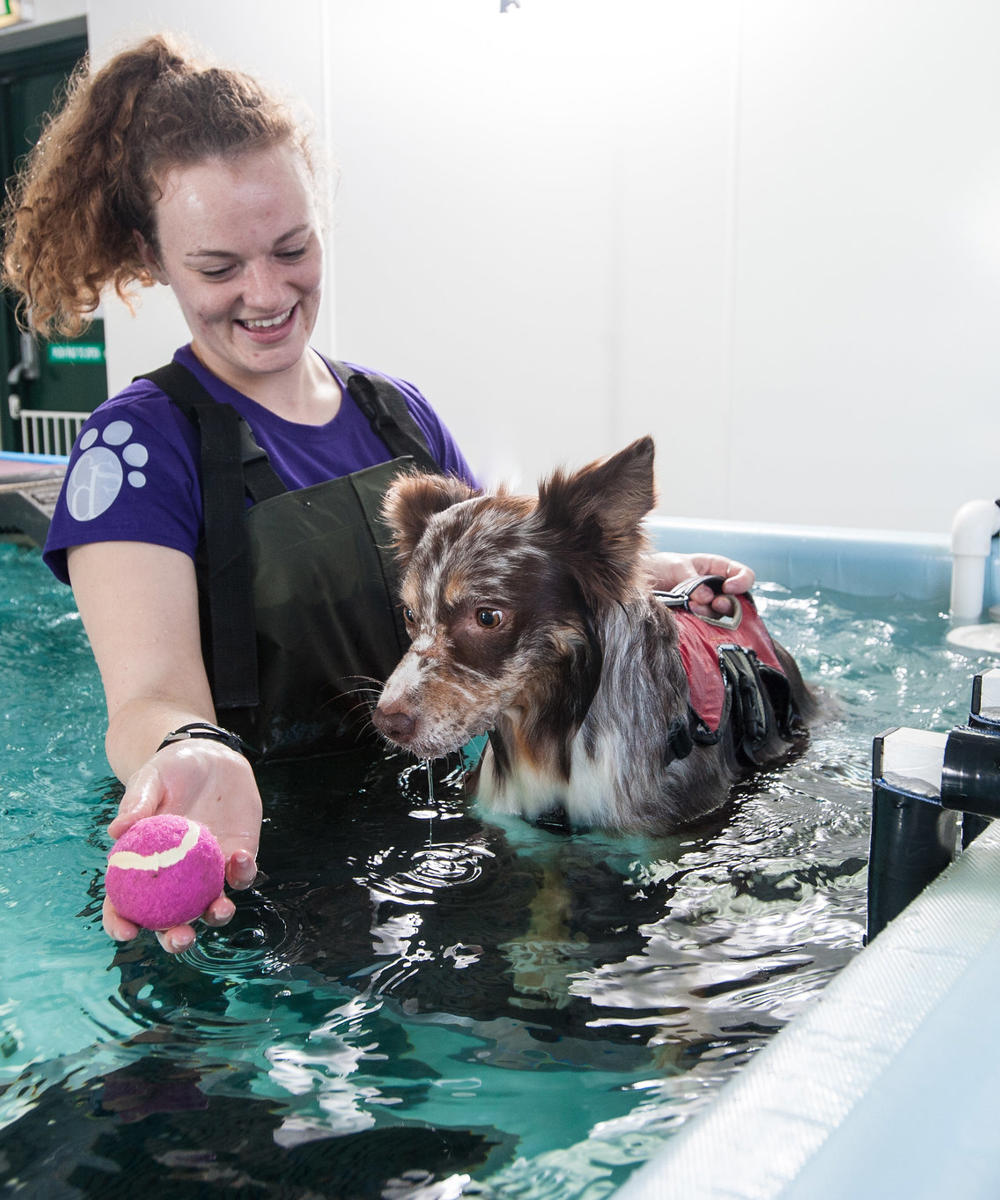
90, 184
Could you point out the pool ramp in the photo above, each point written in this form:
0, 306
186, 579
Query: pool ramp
29, 488
886, 1086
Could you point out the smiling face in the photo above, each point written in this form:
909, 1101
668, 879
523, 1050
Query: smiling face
239, 243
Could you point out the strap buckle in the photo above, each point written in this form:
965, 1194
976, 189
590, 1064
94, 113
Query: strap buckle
680, 597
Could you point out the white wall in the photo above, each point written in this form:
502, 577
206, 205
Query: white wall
768, 233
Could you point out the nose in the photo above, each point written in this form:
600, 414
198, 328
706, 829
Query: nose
264, 287
395, 722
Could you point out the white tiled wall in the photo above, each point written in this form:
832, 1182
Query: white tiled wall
768, 233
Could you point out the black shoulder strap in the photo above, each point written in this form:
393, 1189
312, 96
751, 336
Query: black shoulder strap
388, 415
197, 404
229, 457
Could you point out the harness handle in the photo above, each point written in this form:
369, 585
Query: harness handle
680, 597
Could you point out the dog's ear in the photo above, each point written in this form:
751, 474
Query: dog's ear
411, 501
596, 515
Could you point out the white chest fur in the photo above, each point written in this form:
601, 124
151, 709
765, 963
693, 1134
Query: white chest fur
590, 797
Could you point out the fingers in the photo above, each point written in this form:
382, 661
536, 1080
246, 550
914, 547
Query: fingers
709, 605
737, 579
141, 799
241, 870
181, 937
722, 606
116, 926
738, 576
705, 603
220, 912
667, 570
176, 940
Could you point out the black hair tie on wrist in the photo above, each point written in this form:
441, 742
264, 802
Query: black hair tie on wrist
204, 729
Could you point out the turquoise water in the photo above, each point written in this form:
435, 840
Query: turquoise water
415, 1001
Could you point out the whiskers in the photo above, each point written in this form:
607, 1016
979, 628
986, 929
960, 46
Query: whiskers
362, 693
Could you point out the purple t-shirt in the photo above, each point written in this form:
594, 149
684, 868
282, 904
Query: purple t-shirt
134, 473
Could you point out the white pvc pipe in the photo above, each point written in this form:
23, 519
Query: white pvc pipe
972, 532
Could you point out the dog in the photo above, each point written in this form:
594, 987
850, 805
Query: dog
532, 620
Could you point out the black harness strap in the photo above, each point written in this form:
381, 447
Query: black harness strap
388, 415
750, 710
231, 461
260, 480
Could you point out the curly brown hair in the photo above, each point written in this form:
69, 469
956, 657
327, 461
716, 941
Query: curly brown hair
90, 183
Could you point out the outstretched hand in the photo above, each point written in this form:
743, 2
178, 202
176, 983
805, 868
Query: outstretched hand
208, 783
668, 570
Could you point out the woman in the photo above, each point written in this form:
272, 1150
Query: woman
199, 609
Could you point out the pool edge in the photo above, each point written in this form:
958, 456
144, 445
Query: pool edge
833, 1106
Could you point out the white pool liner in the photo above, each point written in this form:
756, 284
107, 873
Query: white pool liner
887, 1086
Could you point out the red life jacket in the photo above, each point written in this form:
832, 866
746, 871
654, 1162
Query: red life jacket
700, 640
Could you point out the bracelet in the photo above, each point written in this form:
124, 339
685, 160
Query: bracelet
204, 729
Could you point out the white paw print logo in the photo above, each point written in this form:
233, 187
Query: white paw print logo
97, 478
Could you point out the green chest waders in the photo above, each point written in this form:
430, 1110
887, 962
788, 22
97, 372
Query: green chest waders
297, 592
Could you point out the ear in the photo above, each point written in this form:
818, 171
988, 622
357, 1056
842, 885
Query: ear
596, 516
412, 500
149, 258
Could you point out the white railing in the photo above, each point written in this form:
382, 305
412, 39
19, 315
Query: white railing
50, 432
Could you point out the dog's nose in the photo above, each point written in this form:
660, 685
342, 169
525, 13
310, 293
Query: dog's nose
394, 723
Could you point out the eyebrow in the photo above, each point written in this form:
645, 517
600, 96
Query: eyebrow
293, 233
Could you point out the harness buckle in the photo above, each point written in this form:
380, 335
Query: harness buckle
680, 597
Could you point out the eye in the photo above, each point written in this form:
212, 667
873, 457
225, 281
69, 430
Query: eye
292, 255
408, 615
489, 618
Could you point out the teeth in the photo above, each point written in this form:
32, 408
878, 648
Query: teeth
268, 322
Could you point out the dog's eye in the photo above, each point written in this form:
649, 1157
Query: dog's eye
408, 615
489, 618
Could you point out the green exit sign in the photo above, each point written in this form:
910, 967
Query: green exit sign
76, 352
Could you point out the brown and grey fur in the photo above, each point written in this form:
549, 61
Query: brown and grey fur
533, 620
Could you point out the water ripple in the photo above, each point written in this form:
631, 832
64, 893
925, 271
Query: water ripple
431, 870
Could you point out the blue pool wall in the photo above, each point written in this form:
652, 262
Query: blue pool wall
853, 561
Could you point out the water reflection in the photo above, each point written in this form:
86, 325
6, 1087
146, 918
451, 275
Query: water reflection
404, 963
415, 999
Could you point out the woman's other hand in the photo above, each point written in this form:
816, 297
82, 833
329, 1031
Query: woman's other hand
667, 570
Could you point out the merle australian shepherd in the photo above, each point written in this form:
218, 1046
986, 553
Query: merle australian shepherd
532, 620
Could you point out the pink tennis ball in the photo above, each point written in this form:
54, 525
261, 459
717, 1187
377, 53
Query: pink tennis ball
164, 871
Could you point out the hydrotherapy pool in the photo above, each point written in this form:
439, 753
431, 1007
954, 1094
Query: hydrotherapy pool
414, 1001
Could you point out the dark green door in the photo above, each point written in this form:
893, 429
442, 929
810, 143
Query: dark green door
62, 376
